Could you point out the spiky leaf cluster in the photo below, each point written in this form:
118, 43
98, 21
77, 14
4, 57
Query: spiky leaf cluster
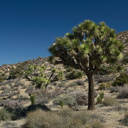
88, 46
37, 74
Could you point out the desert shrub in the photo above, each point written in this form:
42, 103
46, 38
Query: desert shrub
65, 100
41, 119
41, 96
81, 98
33, 99
66, 112
115, 89
120, 108
104, 86
97, 124
104, 78
19, 70
125, 120
15, 72
125, 58
80, 82
108, 69
100, 97
65, 118
69, 69
4, 114
84, 117
75, 74
2, 77
62, 84
109, 101
73, 84
121, 80
123, 92
9, 124
14, 104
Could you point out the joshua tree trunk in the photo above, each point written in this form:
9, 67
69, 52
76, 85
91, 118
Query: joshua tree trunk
91, 102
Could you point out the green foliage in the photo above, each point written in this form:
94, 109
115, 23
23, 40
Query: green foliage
60, 75
4, 115
37, 74
121, 80
108, 69
18, 70
33, 99
75, 74
104, 86
2, 77
87, 47
100, 97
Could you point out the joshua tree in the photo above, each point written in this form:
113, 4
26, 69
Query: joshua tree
39, 77
87, 47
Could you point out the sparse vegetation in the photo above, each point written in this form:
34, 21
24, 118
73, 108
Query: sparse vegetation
110, 101
123, 92
100, 97
4, 115
63, 119
104, 86
111, 69
18, 70
2, 77
75, 74
121, 80
65, 100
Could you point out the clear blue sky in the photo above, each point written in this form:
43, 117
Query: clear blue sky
29, 27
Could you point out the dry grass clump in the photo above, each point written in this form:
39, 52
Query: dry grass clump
123, 92
65, 118
97, 124
120, 108
4, 115
110, 101
105, 86
41, 119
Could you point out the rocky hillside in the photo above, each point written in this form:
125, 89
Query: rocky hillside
123, 36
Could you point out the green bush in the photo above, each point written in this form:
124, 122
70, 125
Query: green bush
2, 77
100, 97
104, 86
108, 69
18, 70
33, 99
75, 74
4, 114
121, 80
